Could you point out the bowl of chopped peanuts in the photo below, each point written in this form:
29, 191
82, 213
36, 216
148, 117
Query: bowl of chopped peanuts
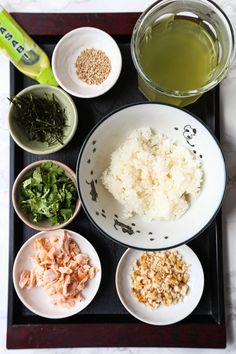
160, 287
86, 62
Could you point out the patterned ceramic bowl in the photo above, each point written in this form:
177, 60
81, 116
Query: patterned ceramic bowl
106, 213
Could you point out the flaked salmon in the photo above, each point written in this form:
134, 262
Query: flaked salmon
59, 268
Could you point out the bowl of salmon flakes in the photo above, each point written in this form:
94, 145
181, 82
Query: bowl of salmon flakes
56, 274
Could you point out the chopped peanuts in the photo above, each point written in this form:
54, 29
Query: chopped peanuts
160, 278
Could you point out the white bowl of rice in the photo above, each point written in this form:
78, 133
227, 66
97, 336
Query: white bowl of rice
151, 176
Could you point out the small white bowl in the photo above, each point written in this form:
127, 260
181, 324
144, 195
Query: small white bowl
107, 213
67, 51
163, 315
35, 299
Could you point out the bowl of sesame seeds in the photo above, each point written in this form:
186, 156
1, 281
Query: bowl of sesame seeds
86, 62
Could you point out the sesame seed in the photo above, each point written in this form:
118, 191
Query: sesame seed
93, 66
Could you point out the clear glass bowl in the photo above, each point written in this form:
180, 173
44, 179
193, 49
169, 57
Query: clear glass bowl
217, 25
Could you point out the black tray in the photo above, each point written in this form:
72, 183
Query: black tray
105, 322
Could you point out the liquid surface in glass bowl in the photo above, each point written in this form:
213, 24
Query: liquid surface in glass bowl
179, 53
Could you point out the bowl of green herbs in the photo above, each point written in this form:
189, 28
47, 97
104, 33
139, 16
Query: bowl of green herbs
42, 119
44, 195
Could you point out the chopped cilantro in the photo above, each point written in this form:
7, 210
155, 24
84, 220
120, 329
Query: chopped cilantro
49, 194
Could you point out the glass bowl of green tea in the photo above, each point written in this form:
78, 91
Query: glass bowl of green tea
181, 49
42, 119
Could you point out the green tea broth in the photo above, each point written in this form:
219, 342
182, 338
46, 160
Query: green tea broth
179, 53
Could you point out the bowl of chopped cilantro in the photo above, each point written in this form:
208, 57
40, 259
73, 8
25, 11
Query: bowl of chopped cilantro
44, 195
42, 119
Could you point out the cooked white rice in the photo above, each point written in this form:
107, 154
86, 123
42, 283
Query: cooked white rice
152, 176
